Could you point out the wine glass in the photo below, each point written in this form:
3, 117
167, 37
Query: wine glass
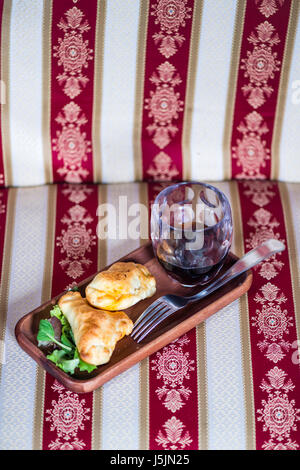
191, 231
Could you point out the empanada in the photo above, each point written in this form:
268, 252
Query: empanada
96, 332
121, 286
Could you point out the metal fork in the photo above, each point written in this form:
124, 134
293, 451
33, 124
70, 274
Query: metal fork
166, 305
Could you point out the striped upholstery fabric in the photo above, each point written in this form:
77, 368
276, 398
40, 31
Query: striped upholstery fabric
231, 383
143, 93
122, 90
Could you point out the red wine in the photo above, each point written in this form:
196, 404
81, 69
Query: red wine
191, 276
191, 231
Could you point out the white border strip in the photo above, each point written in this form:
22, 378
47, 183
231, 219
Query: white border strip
294, 196
225, 387
25, 99
211, 84
289, 165
118, 91
17, 387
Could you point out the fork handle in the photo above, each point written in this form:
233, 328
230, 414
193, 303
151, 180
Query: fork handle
248, 261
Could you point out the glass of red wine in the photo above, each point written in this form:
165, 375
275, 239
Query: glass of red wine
191, 231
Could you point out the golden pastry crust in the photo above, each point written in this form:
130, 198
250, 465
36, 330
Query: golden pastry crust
121, 286
96, 332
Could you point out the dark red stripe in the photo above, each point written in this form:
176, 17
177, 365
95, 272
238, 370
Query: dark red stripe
166, 66
173, 389
75, 254
72, 71
276, 379
67, 415
262, 49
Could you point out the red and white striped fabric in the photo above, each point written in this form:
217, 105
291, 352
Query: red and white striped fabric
231, 383
155, 90
120, 91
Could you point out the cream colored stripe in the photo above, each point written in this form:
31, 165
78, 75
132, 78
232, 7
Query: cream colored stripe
120, 247
224, 375
202, 386
225, 385
139, 90
244, 324
97, 430
282, 90
46, 295
4, 287
18, 378
288, 139
211, 85
144, 405
6, 269
232, 83
289, 167
120, 396
144, 365
144, 200
102, 244
190, 90
5, 77
46, 84
25, 93
97, 96
292, 227
118, 95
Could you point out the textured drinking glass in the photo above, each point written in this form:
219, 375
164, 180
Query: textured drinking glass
191, 231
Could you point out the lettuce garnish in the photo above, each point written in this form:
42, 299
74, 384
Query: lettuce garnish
67, 356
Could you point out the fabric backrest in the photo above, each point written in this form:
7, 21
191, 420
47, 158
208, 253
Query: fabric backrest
128, 90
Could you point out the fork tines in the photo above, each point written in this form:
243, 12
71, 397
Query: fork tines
150, 318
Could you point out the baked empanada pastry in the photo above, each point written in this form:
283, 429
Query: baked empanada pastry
96, 332
121, 286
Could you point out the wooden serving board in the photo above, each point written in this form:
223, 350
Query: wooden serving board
128, 352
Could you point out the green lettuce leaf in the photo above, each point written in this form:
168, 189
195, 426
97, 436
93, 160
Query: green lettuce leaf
74, 289
66, 341
62, 360
67, 358
56, 312
82, 364
46, 333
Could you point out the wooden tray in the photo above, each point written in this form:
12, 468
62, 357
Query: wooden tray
128, 352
